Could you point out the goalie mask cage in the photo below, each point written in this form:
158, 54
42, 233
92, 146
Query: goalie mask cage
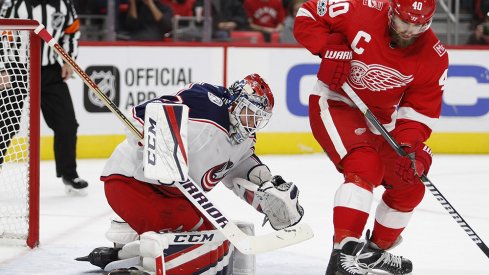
19, 132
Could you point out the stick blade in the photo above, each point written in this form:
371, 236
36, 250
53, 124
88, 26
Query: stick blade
268, 242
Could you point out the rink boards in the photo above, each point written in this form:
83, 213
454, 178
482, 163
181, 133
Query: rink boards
131, 73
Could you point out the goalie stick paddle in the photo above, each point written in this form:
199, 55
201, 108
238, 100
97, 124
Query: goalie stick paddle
243, 242
434, 191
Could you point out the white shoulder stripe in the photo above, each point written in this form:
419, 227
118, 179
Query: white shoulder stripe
410, 113
304, 12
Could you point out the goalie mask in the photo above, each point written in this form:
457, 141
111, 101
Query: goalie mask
410, 18
250, 107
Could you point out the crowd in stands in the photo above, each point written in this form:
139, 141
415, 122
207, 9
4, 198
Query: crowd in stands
480, 26
232, 20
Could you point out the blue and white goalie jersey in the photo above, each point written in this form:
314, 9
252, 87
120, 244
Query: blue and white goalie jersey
212, 156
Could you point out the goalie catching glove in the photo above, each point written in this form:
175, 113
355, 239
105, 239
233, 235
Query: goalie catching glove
277, 199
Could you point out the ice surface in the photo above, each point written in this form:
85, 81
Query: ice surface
73, 226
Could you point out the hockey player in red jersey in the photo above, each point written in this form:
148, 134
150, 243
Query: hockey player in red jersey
391, 58
222, 125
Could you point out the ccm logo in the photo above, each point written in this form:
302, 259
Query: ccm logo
151, 142
194, 238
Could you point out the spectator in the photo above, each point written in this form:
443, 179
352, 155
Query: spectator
56, 103
181, 7
266, 16
227, 16
98, 18
148, 20
481, 8
286, 35
480, 35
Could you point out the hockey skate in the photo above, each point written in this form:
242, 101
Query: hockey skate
378, 261
75, 186
101, 256
343, 258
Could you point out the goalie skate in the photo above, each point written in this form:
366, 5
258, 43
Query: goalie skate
101, 256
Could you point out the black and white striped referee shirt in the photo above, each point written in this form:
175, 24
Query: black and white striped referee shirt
58, 16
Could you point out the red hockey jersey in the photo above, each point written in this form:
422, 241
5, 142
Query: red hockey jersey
402, 86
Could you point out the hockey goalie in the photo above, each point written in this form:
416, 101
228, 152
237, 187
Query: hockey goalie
213, 132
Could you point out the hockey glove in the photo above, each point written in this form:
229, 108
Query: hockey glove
277, 199
335, 64
417, 163
280, 203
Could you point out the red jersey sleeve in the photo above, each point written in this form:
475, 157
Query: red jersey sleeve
316, 19
420, 106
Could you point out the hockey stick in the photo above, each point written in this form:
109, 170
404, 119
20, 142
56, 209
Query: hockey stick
434, 191
243, 242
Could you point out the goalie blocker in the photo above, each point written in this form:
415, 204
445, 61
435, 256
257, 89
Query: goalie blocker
204, 252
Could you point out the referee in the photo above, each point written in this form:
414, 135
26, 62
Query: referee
60, 19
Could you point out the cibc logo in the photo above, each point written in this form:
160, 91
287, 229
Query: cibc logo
108, 80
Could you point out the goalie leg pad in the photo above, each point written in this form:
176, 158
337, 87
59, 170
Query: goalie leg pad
202, 252
244, 264
120, 233
199, 252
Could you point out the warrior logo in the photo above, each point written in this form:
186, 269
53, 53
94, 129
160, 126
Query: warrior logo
107, 79
57, 20
215, 175
376, 77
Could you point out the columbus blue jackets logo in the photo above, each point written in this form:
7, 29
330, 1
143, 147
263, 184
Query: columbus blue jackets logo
215, 99
215, 175
107, 79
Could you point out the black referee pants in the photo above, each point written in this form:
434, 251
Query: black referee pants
59, 114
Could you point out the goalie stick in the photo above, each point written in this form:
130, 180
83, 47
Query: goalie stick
243, 242
434, 191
